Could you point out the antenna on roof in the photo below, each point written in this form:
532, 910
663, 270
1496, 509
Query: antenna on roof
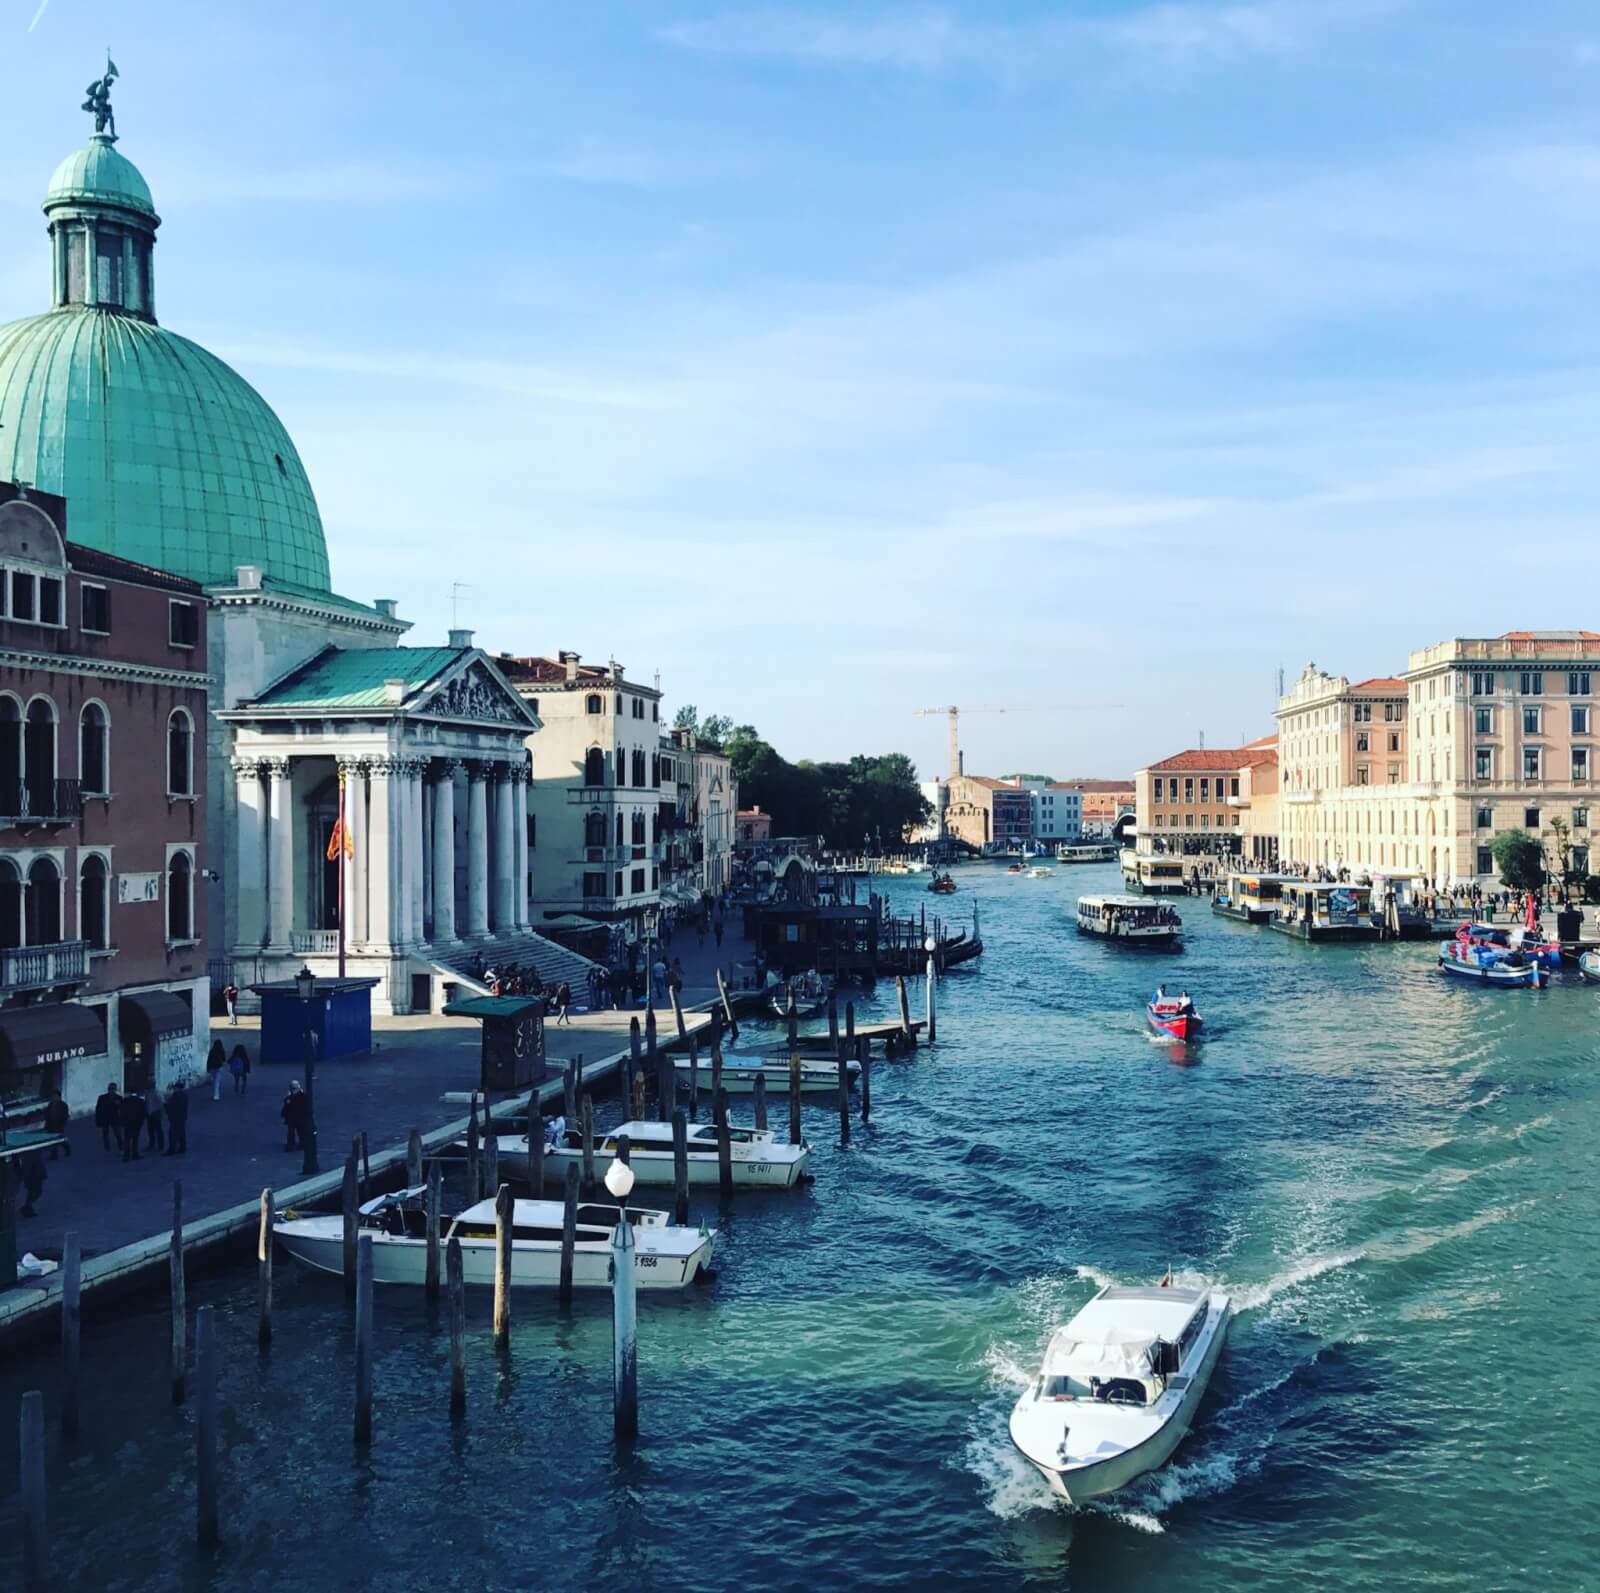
456, 589
1202, 740
1280, 680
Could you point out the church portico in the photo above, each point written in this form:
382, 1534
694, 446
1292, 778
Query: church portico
423, 752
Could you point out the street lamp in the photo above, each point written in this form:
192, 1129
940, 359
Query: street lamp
619, 1180
305, 984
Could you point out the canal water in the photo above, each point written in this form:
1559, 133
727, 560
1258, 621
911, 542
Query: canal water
1394, 1175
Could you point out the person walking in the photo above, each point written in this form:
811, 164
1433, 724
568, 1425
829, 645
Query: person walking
216, 1060
564, 1003
293, 1113
33, 1176
239, 1067
56, 1117
154, 1140
717, 931
231, 996
675, 977
132, 1122
178, 1120
108, 1116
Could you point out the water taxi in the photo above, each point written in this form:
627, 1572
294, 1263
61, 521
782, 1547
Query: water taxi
665, 1255
1174, 1015
1085, 852
1490, 965
1154, 875
758, 1159
942, 885
1589, 965
1119, 1387
1251, 898
1129, 920
1038, 872
1320, 910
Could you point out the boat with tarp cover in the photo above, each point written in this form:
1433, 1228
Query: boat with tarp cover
1119, 1387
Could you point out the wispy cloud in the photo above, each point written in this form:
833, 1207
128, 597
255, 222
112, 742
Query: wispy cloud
935, 40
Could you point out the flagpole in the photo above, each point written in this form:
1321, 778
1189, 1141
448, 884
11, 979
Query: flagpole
342, 833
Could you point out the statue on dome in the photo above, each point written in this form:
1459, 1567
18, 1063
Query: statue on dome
98, 102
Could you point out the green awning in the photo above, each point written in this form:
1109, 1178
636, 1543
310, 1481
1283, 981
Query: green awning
493, 1006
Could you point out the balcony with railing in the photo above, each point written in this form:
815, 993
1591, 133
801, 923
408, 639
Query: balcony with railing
314, 942
40, 802
40, 967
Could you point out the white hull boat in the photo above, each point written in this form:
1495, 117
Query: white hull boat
1119, 1387
1589, 965
739, 1074
756, 1157
665, 1255
1489, 965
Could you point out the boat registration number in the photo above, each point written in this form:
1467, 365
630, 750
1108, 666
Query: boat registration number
759, 1167
645, 1261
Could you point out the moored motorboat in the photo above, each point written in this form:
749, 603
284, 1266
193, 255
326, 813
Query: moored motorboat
1490, 965
666, 1256
1589, 965
740, 1072
1119, 1387
1174, 1015
756, 1155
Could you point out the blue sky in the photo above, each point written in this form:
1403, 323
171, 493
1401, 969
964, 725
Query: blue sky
838, 360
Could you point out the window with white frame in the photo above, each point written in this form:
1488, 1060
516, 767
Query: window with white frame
180, 753
94, 901
1483, 721
1578, 683
1531, 760
1530, 682
1580, 765
1483, 763
180, 897
1483, 683
1532, 721
94, 745
1580, 719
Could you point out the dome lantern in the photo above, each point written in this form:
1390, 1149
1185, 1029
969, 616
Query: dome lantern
102, 221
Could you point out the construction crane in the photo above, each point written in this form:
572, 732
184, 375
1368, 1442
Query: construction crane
955, 710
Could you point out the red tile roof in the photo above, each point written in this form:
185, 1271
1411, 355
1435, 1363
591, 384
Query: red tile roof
1093, 785
1218, 758
1382, 683
1551, 636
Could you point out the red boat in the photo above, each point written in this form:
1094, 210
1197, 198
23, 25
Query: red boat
1174, 1015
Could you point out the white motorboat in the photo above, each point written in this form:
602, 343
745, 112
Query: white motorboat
1129, 920
1040, 872
1589, 965
757, 1157
1119, 1387
665, 1255
740, 1072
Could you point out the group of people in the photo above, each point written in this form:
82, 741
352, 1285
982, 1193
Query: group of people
121, 1115
235, 1063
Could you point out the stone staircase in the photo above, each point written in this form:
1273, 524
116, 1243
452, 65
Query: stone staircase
553, 961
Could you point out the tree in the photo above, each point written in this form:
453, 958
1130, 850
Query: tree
714, 732
1520, 859
686, 718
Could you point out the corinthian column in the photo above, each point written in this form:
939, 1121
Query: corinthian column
519, 847
280, 787
380, 855
251, 887
444, 851
415, 854
477, 848
505, 846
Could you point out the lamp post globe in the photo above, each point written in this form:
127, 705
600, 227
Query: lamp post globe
619, 1180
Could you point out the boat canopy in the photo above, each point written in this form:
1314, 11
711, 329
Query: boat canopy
1116, 1333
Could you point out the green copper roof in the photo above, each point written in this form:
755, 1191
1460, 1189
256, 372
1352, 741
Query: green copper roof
97, 174
354, 677
164, 454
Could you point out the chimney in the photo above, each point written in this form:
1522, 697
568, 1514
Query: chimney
570, 660
616, 670
394, 693
386, 606
461, 638
961, 763
248, 576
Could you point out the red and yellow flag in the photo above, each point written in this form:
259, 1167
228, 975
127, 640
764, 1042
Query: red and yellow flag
340, 837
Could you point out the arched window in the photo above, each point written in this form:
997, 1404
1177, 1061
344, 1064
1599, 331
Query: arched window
594, 828
638, 766
10, 756
619, 829
594, 767
94, 773
10, 904
41, 904
638, 829
180, 898
180, 755
93, 902
595, 703
39, 757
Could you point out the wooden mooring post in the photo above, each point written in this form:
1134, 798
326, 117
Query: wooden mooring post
844, 1101
264, 1271
347, 1205
909, 1034
474, 1163
833, 1027
694, 1079
680, 1168
206, 1361
638, 1097
71, 1333
666, 1087
569, 1233
491, 1149
794, 1100
631, 1067
435, 1200
455, 1287
363, 1426
933, 980
414, 1160
569, 1091
761, 1099
624, 1151
716, 1073
502, 1267
849, 1028
724, 1146
588, 1143
180, 1309
677, 1015
792, 1020
864, 1053
35, 1528
535, 1147
624, 1334
727, 1006
366, 1170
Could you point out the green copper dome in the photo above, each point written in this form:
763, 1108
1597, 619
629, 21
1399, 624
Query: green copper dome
98, 173
164, 455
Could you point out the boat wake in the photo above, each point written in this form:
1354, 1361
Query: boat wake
1252, 1297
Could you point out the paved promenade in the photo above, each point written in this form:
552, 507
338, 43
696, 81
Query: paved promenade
236, 1144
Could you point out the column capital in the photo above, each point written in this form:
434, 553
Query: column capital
275, 768
442, 769
501, 771
246, 768
350, 764
479, 770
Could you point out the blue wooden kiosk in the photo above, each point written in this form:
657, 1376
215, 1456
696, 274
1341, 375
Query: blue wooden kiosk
339, 1016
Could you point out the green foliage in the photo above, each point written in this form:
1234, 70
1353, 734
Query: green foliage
686, 718
1520, 860
715, 731
873, 800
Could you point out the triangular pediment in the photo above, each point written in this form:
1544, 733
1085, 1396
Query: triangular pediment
476, 693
